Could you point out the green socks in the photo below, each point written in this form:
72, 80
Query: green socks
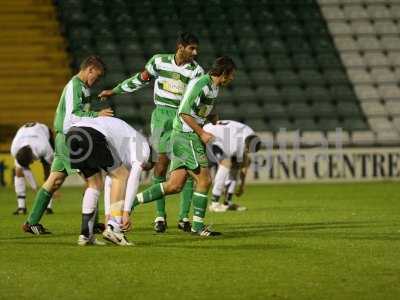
186, 199
199, 210
42, 199
156, 191
160, 202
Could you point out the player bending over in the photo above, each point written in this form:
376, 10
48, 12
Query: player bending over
230, 149
33, 141
114, 146
189, 140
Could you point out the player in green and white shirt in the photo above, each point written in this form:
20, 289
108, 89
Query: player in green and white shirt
189, 142
69, 111
171, 74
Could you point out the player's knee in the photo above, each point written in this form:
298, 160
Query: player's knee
205, 182
174, 187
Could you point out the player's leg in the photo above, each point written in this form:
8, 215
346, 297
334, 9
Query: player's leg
20, 191
42, 199
219, 183
174, 185
60, 169
89, 209
114, 231
160, 171
200, 196
185, 203
161, 127
230, 190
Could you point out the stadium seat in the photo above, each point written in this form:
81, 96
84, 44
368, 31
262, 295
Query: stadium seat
338, 137
313, 139
363, 138
287, 138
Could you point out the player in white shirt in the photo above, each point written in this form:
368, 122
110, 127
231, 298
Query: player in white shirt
123, 153
230, 150
33, 141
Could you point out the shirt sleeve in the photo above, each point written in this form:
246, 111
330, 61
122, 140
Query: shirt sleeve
77, 108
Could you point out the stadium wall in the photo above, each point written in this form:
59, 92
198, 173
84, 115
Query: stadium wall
325, 165
288, 166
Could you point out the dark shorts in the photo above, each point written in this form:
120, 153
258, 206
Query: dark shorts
89, 151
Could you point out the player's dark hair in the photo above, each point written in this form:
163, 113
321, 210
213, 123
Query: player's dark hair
24, 156
187, 38
93, 61
253, 142
222, 65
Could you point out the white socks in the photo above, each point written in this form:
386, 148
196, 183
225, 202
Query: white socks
89, 203
219, 180
107, 195
20, 190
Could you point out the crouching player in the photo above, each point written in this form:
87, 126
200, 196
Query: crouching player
33, 141
230, 149
109, 144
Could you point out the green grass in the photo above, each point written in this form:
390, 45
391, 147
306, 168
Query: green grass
295, 242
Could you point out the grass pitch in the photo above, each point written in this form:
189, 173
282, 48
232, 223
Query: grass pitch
295, 242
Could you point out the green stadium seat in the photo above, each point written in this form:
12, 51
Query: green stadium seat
305, 124
353, 124
298, 109
318, 94
329, 60
287, 77
134, 64
348, 109
274, 110
277, 124
262, 78
242, 79
336, 76
280, 61
266, 30
304, 61
342, 93
252, 110
311, 77
228, 111
257, 124
298, 45
323, 109
269, 94
291, 28
244, 94
274, 45
250, 46
255, 61
293, 94
329, 123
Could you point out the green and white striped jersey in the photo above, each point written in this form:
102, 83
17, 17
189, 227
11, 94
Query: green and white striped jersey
170, 79
70, 109
198, 102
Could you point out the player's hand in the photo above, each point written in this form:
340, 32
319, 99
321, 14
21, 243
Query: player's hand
126, 221
239, 191
106, 112
105, 94
206, 137
56, 195
213, 118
